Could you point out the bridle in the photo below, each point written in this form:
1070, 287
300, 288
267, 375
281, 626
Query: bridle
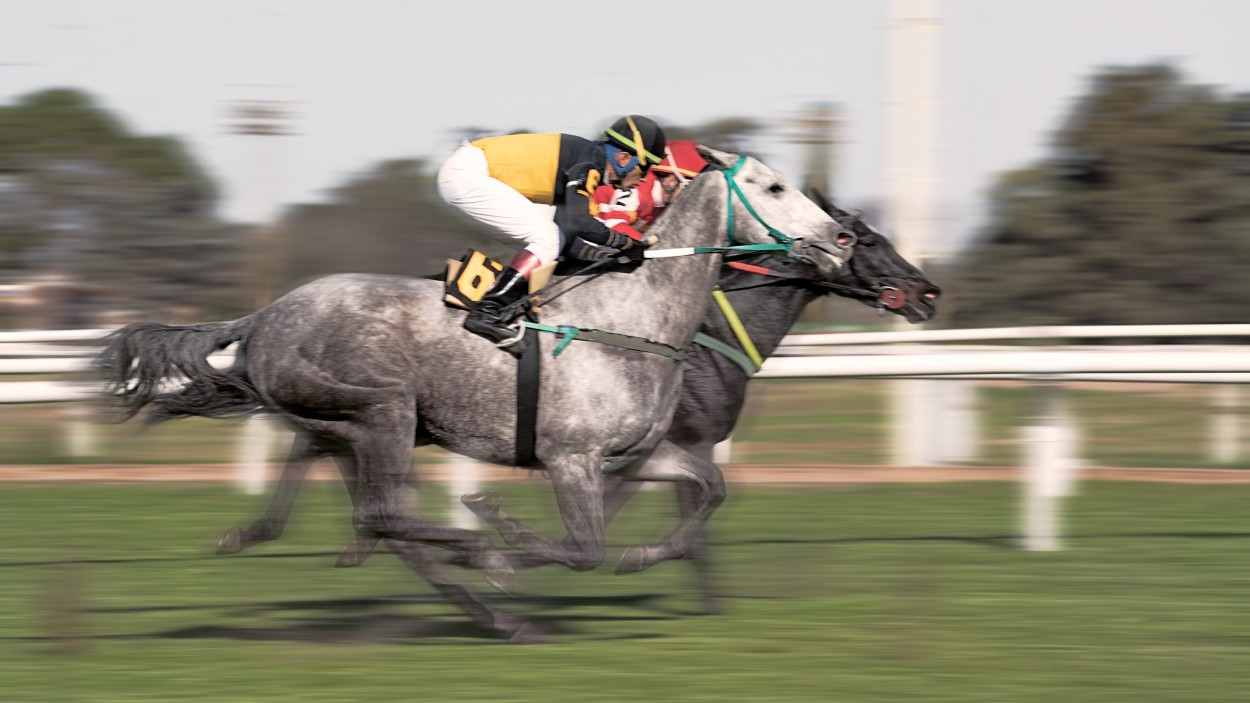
793, 247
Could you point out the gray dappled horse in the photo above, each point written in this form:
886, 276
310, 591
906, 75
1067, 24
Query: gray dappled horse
366, 366
768, 293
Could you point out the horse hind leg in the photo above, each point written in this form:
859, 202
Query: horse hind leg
362, 547
270, 525
419, 558
382, 463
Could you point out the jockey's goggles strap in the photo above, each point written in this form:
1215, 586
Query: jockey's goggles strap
635, 144
677, 170
735, 324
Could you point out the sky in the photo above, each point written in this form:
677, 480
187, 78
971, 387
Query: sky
369, 80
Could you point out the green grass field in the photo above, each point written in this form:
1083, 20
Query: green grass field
866, 593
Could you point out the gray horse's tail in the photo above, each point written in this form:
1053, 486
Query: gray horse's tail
145, 363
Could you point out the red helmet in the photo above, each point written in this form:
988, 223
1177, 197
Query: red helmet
681, 158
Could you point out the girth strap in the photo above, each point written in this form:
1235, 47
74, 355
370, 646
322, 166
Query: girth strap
528, 377
728, 352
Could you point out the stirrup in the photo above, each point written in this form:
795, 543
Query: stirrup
520, 335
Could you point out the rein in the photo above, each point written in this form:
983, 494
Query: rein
850, 291
784, 243
749, 356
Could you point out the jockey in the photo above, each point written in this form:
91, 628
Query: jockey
507, 181
640, 206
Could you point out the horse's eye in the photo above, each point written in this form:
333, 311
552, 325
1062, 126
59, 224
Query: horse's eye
776, 188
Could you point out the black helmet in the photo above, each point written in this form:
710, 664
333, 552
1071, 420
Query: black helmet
639, 136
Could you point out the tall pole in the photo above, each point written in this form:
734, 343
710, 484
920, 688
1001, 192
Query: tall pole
912, 42
816, 131
817, 126
261, 122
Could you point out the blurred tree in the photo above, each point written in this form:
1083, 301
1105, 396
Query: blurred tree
388, 220
1141, 215
124, 218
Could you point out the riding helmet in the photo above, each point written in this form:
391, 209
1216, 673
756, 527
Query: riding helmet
681, 158
639, 136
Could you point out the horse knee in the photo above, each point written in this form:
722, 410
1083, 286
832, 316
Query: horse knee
716, 495
376, 523
588, 557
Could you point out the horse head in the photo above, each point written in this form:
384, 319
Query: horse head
766, 212
886, 280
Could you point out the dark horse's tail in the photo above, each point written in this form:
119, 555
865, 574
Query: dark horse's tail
142, 357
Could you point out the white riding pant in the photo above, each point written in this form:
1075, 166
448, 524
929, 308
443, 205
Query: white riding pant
464, 181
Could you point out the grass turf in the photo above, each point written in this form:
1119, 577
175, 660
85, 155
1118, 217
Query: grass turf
866, 593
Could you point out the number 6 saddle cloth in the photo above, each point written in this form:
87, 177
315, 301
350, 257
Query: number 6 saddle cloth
469, 278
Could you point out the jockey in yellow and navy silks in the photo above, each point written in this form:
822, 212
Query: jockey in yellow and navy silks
511, 183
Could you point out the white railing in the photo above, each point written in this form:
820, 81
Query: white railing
1050, 437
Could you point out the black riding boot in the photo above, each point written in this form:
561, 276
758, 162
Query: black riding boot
486, 316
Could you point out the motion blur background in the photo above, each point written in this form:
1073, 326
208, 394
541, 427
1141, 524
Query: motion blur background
1047, 162
1075, 162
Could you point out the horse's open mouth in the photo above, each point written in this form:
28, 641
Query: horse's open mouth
917, 303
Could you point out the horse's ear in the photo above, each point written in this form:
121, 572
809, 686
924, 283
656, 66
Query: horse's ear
716, 158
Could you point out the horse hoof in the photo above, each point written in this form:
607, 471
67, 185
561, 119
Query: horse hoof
518, 631
527, 634
350, 557
632, 561
231, 542
483, 505
499, 575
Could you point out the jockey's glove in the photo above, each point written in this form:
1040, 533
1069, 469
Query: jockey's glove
622, 236
584, 250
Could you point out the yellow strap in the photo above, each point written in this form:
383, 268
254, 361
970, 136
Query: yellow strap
735, 324
637, 139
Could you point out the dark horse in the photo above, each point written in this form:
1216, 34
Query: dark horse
767, 294
368, 366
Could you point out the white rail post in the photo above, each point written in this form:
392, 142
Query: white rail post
1226, 425
80, 435
1050, 464
464, 476
957, 435
251, 470
722, 453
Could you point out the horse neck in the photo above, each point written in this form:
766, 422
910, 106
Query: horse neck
664, 299
767, 311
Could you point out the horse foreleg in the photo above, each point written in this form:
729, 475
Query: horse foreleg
578, 486
704, 493
270, 525
616, 493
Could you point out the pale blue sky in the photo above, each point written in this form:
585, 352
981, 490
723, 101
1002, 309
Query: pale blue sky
376, 79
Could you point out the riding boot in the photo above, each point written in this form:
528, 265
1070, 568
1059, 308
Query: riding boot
486, 316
